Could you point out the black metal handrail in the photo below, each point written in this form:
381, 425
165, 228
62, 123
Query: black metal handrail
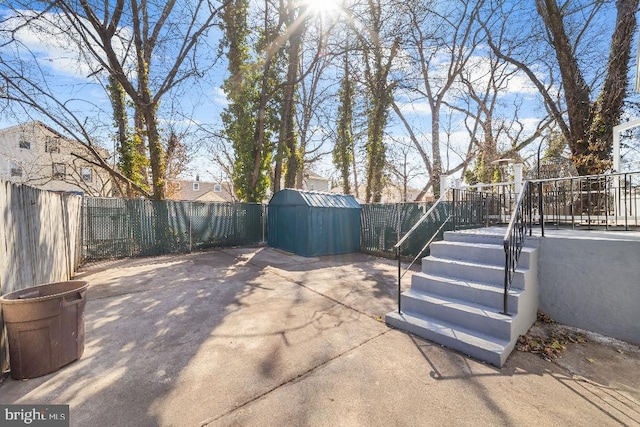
611, 199
608, 200
459, 209
404, 238
514, 237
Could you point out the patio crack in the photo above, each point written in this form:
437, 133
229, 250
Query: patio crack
293, 380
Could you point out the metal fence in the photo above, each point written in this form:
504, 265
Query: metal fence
596, 201
383, 225
116, 228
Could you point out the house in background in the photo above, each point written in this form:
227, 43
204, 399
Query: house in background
391, 193
311, 181
204, 191
201, 191
394, 193
34, 154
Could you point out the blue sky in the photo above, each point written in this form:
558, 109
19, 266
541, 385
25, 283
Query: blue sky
203, 101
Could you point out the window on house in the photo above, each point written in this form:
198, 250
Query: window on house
86, 174
52, 145
16, 170
59, 171
25, 143
217, 188
196, 186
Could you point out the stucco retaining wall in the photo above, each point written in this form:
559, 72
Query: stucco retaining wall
592, 281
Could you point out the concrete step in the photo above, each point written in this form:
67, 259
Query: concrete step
491, 236
467, 290
464, 314
469, 342
471, 271
457, 299
482, 253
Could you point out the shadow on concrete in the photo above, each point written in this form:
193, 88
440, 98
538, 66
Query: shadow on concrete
616, 405
174, 340
253, 336
364, 283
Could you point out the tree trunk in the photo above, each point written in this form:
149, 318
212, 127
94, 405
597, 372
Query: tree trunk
288, 135
607, 110
591, 123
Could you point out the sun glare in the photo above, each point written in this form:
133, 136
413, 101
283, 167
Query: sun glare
323, 7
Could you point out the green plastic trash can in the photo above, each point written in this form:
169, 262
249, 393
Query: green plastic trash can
45, 327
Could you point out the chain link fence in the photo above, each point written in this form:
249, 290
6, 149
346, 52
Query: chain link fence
117, 228
383, 225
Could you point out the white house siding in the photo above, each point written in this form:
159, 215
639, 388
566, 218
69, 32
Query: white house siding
48, 153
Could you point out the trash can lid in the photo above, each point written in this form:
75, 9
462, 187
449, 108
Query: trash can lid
44, 292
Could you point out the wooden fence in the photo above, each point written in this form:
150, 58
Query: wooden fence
40, 241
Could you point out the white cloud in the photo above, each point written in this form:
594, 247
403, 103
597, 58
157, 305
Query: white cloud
519, 83
416, 107
530, 124
55, 48
219, 97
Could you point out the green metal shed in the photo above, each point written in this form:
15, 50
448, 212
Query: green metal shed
309, 223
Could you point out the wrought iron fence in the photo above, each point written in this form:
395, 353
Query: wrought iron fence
596, 201
116, 228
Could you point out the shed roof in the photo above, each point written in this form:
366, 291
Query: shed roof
316, 199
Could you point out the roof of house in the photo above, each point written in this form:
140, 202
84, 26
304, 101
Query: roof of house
32, 123
391, 193
36, 123
312, 175
183, 189
210, 196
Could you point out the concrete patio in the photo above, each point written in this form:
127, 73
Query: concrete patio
255, 336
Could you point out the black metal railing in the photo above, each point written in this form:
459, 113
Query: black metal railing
593, 201
521, 222
431, 214
610, 201
456, 209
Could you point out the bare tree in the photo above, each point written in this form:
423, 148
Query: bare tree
315, 104
494, 130
27, 89
402, 168
149, 48
571, 29
379, 44
295, 17
438, 57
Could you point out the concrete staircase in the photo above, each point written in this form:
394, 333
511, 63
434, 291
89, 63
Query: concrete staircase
457, 299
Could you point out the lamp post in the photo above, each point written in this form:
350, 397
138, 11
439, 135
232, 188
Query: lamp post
538, 163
